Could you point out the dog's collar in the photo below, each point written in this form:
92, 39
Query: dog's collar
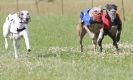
19, 30
23, 22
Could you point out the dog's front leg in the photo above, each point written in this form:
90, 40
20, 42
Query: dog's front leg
100, 38
26, 38
15, 45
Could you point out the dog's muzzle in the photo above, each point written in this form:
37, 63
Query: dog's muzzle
25, 20
28, 19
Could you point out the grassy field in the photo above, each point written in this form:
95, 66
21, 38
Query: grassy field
55, 50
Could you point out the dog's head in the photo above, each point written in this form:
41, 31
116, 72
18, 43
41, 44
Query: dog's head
111, 10
24, 16
96, 14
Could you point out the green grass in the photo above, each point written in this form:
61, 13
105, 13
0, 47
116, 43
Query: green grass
55, 53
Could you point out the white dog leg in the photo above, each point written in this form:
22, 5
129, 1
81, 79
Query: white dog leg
15, 48
100, 35
16, 44
6, 33
6, 43
26, 38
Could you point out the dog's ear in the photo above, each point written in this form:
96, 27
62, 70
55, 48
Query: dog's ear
115, 7
107, 6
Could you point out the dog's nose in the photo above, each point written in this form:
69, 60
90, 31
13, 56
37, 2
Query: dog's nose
27, 19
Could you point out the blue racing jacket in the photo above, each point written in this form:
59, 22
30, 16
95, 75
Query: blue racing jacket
85, 18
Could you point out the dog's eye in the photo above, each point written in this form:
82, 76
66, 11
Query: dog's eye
21, 14
27, 13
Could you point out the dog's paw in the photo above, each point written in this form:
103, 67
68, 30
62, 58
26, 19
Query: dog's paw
29, 50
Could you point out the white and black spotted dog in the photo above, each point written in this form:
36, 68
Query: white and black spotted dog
16, 25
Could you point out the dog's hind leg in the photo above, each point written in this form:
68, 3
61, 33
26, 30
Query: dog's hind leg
5, 34
81, 39
6, 43
6, 30
81, 33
